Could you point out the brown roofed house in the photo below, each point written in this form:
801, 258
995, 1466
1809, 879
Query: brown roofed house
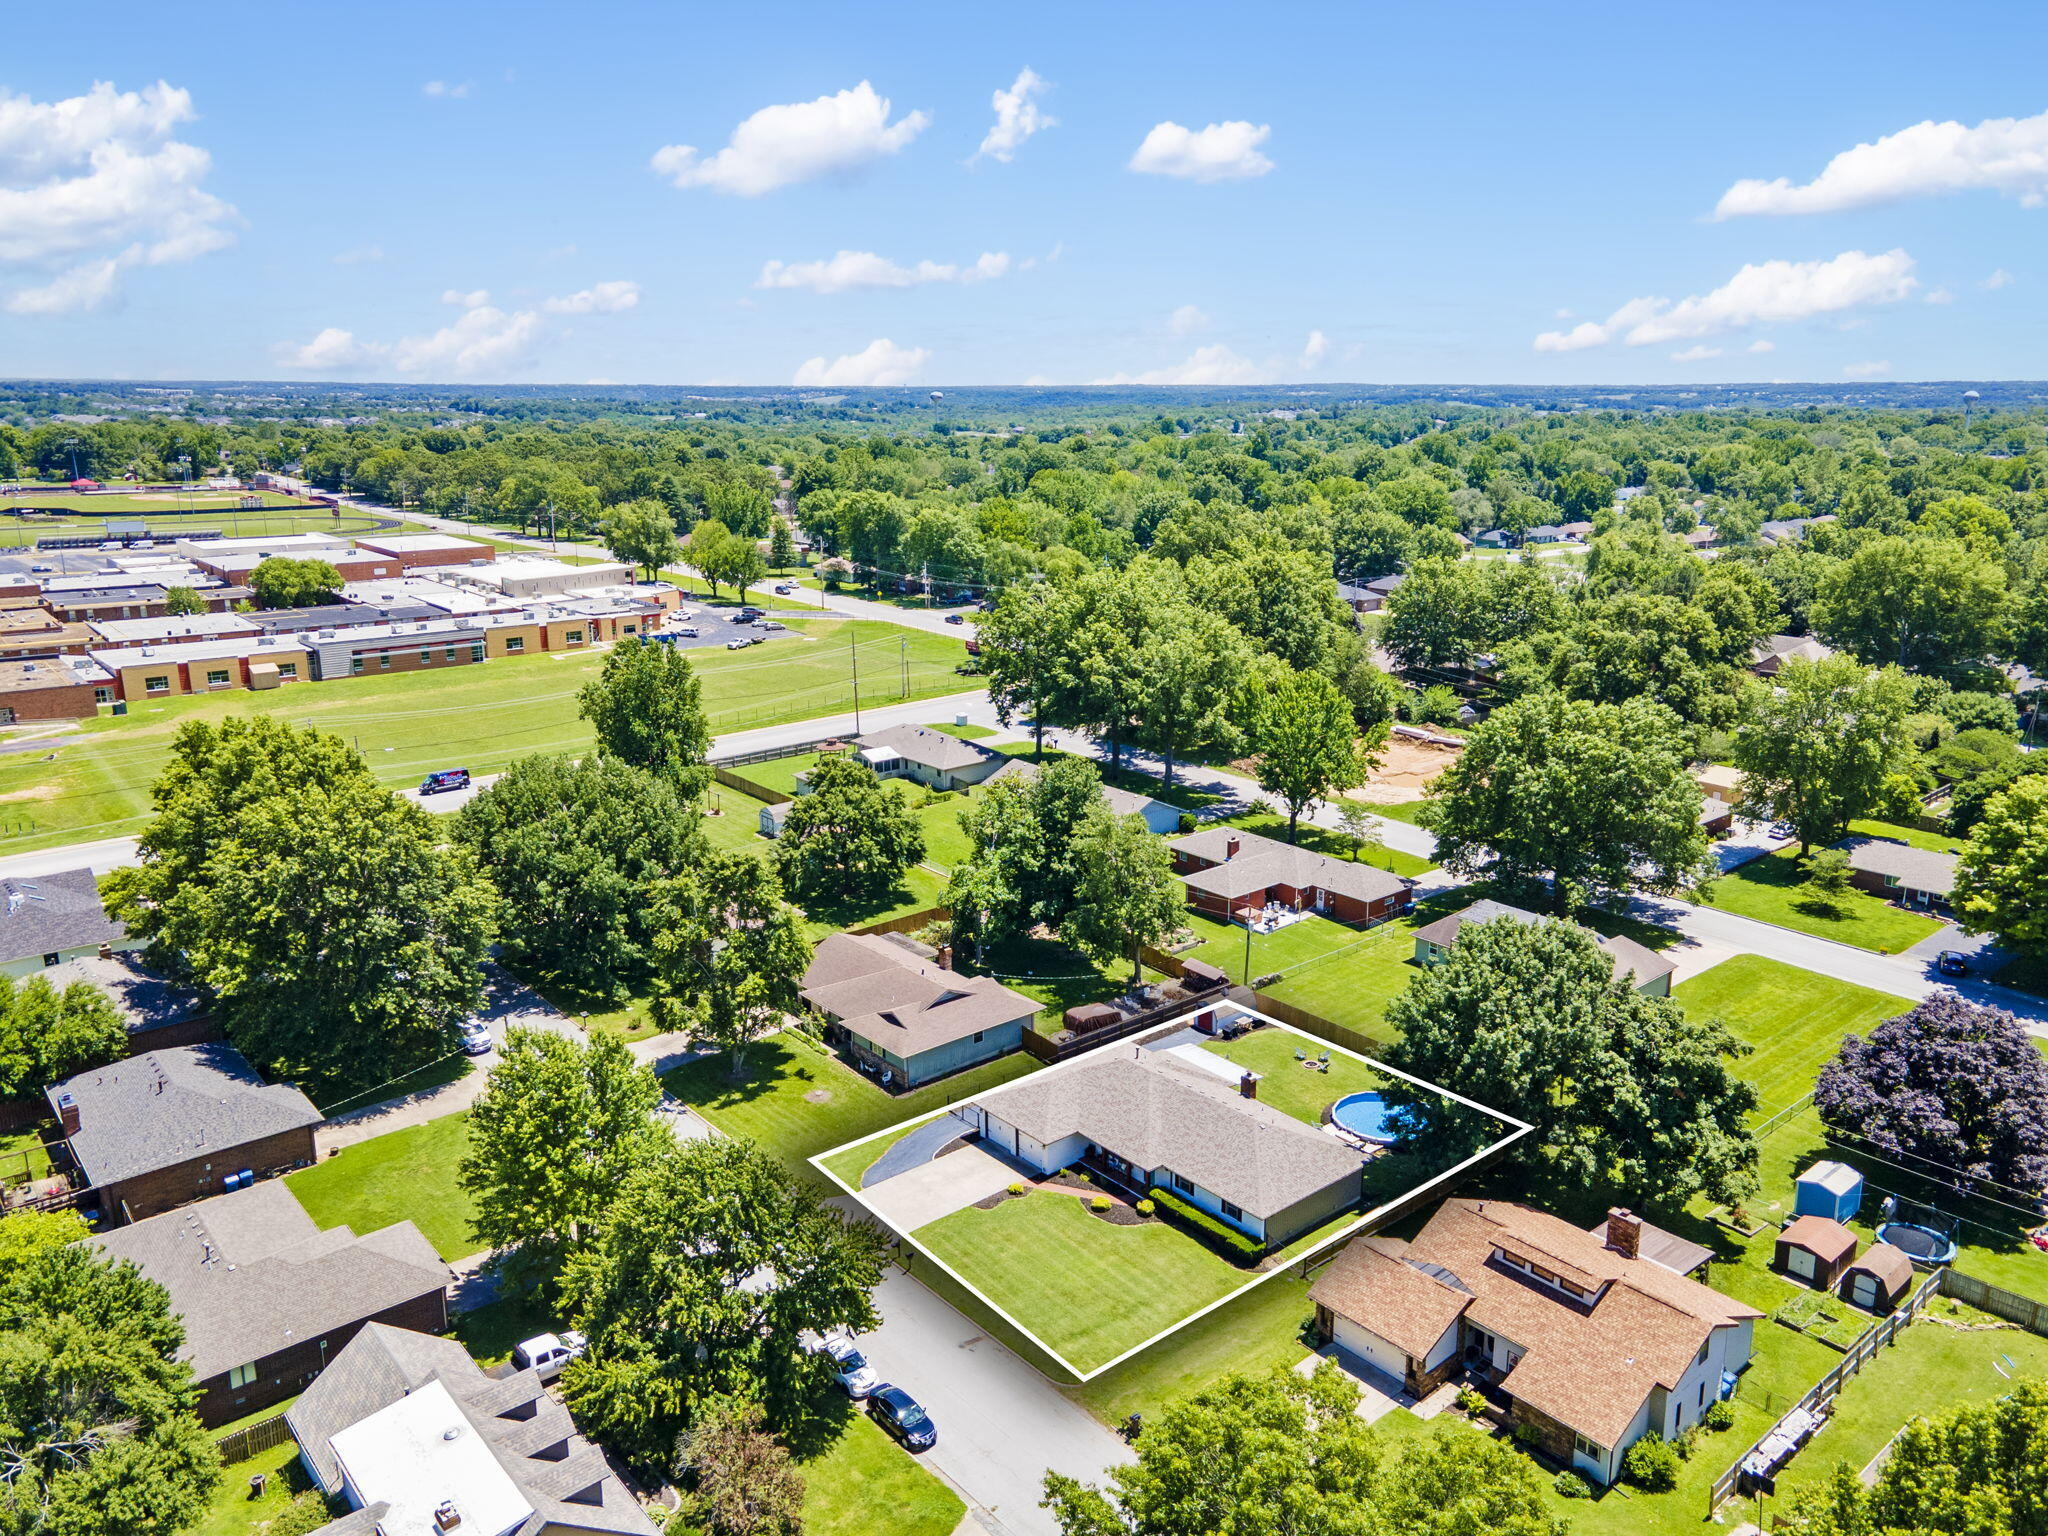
1433, 941
1236, 875
1593, 1347
905, 1012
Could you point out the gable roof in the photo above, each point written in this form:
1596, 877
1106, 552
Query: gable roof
1264, 861
167, 1107
251, 1273
1892, 1267
903, 1001
1124, 802
1917, 869
1409, 1301
1822, 1236
1588, 1364
1156, 1113
144, 999
46, 913
1628, 956
928, 748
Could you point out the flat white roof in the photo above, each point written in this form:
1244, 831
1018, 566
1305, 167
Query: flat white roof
286, 646
420, 543
422, 1452
279, 543
190, 626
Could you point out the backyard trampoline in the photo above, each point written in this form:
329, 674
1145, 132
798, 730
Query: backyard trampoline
1370, 1117
1923, 1245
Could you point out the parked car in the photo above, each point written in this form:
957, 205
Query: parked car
784, 590
901, 1416
476, 1038
748, 614
41, 566
545, 1354
444, 779
771, 624
687, 631
1783, 830
850, 1367
956, 618
1952, 962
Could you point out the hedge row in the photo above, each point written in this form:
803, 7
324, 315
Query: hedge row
1235, 1245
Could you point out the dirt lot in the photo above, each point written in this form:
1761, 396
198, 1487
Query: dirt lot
1405, 769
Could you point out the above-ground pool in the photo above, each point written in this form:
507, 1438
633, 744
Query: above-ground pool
1370, 1116
1923, 1245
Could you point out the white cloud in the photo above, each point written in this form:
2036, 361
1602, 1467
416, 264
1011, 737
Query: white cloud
93, 185
482, 343
598, 299
1315, 349
357, 256
1215, 364
881, 361
1770, 292
1761, 345
1998, 279
1867, 370
447, 90
1186, 320
333, 350
1219, 152
798, 141
848, 270
475, 298
1939, 296
1698, 353
1017, 117
2001, 154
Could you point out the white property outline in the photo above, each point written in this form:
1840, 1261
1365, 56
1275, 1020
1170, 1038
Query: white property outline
1521, 1129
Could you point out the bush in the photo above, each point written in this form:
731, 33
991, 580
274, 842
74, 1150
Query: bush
1719, 1416
1187, 823
1688, 1441
1471, 1401
1145, 1207
1099, 1204
1016, 1188
1651, 1464
1571, 1485
1528, 1434
1234, 1244
305, 1514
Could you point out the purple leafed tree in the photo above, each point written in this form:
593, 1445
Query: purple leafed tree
1950, 1082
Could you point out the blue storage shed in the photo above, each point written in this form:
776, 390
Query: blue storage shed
1833, 1190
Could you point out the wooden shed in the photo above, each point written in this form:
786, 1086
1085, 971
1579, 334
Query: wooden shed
1815, 1249
1879, 1279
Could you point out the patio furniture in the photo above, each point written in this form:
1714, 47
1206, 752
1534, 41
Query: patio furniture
1300, 1054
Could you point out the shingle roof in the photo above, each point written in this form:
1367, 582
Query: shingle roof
901, 1001
1264, 861
1155, 1113
144, 999
566, 1479
1410, 1304
167, 1107
1822, 1236
1892, 1267
1916, 869
53, 912
251, 1273
1589, 1365
1626, 954
1123, 802
933, 749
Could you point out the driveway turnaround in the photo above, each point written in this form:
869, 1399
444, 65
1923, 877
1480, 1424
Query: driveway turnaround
938, 1188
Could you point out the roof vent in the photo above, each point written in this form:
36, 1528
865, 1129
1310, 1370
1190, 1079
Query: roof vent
446, 1515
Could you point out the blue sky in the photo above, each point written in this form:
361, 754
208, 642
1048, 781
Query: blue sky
1409, 194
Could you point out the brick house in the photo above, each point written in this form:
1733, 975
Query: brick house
163, 1129
413, 551
1588, 1341
1232, 874
1913, 877
158, 1012
268, 1299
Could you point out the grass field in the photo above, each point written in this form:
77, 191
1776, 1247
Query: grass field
93, 507
1262, 1330
1289, 1085
406, 1175
231, 1512
480, 718
862, 1483
1771, 890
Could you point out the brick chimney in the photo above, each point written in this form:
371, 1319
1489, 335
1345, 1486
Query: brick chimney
944, 958
1248, 1085
1624, 1233
1230, 848
67, 1113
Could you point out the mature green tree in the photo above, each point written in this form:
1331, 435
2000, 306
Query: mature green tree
1023, 866
47, 1035
743, 1480
1308, 745
340, 939
781, 545
183, 602
712, 1262
852, 837
1926, 604
1816, 745
556, 1132
641, 533
709, 550
647, 708
730, 953
1189, 664
1625, 1091
98, 1430
1632, 646
1127, 895
1450, 1483
1284, 600
2002, 882
1594, 798
1448, 613
1025, 655
282, 582
572, 847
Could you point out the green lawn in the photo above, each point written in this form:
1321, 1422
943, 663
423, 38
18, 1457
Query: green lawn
1055, 975
864, 1483
1913, 837
1289, 1085
1262, 1330
479, 717
23, 1157
231, 1512
797, 1101
406, 1175
1086, 1288
491, 1332
1771, 890
857, 1160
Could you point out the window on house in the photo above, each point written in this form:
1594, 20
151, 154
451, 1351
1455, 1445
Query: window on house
426, 658
574, 636
1542, 1274
103, 695
515, 642
355, 663
978, 1035
53, 958
1573, 1290
1182, 1182
242, 1375
288, 669
476, 650
451, 654
384, 658
1891, 882
156, 685
1231, 1211
1586, 1447
216, 677
630, 628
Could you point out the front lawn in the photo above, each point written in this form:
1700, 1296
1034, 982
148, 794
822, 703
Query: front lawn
1086, 1288
797, 1100
1290, 1086
863, 1482
1772, 890
849, 1165
406, 1175
1264, 1329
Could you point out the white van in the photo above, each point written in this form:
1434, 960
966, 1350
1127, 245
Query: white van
545, 1354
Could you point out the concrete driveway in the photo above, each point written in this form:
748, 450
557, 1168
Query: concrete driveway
938, 1188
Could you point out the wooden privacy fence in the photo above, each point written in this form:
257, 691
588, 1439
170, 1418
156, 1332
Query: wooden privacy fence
909, 922
747, 786
1829, 1387
263, 1435
2030, 1314
1309, 1023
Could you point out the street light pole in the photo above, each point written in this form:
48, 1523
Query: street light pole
853, 654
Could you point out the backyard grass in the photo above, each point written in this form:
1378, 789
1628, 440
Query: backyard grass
406, 1175
797, 1101
96, 783
1912, 837
23, 1156
1054, 975
1291, 1086
231, 1512
1772, 890
1087, 1288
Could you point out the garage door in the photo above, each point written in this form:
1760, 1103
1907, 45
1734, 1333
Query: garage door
1863, 1292
1372, 1349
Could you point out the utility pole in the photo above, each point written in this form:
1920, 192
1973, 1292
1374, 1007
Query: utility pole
853, 654
903, 649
